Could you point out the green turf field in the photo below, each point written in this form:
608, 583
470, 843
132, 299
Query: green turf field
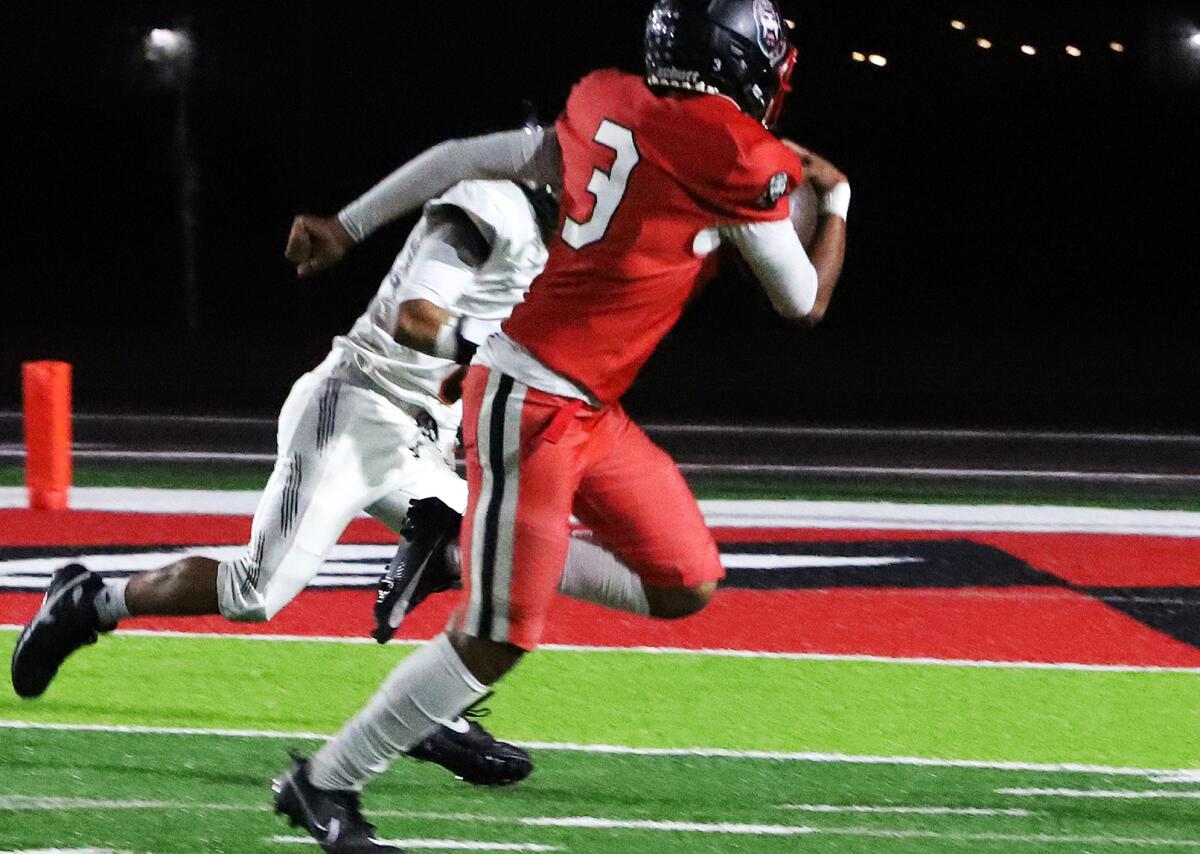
158, 792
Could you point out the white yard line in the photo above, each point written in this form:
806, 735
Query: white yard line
66, 851
1105, 794
981, 812
593, 823
624, 750
433, 844
600, 824
667, 650
1039, 839
36, 803
848, 515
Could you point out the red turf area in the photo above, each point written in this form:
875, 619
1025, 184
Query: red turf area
1041, 624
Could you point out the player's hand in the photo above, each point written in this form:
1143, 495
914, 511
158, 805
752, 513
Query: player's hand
824, 175
316, 243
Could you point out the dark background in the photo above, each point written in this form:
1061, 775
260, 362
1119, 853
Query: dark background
1023, 235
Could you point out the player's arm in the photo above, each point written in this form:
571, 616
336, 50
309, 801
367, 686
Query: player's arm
800, 286
829, 246
444, 265
528, 155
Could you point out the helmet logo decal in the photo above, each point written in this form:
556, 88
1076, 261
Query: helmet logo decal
770, 30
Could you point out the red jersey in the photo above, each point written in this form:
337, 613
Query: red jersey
643, 175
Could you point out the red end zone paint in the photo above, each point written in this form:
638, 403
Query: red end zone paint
1041, 624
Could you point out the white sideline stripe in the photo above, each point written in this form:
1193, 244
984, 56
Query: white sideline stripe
123, 729
623, 750
940, 473
848, 515
850, 759
592, 823
1030, 839
757, 561
20, 803
669, 650
1181, 777
341, 562
861, 432
66, 851
893, 810
836, 431
29, 803
857, 515
433, 844
726, 828
1103, 794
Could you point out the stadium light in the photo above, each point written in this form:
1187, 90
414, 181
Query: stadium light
170, 55
1074, 51
1028, 50
1194, 41
958, 25
877, 60
858, 56
167, 45
986, 44
1116, 47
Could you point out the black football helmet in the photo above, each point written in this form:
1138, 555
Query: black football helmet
737, 48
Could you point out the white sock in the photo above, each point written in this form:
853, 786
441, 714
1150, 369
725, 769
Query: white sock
110, 601
426, 689
594, 574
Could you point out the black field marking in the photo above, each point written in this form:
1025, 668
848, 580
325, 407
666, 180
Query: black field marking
1174, 611
939, 564
491, 523
936, 563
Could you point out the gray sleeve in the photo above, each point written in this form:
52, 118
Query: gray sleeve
449, 252
529, 155
780, 264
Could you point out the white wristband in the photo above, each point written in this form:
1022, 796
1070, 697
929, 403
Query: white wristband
837, 201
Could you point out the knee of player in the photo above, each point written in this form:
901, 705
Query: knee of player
677, 603
487, 660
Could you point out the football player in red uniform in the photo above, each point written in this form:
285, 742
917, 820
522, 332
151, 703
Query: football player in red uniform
654, 172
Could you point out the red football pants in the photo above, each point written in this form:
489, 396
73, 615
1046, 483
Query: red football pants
533, 459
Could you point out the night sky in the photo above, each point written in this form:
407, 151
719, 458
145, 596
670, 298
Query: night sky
1022, 240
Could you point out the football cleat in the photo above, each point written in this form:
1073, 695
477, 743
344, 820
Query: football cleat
65, 622
421, 565
333, 818
471, 753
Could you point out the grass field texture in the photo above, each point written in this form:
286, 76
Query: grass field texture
809, 755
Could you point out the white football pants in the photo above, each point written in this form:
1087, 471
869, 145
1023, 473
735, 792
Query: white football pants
342, 449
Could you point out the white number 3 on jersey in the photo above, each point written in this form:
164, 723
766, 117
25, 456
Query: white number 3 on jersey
608, 187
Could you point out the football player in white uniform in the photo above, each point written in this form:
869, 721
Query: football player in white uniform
373, 427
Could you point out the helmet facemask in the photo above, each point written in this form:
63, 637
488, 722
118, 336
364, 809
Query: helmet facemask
775, 105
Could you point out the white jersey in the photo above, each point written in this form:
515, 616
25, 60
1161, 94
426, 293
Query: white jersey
517, 255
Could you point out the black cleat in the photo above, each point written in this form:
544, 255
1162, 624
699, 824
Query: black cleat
333, 818
421, 565
65, 622
469, 752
